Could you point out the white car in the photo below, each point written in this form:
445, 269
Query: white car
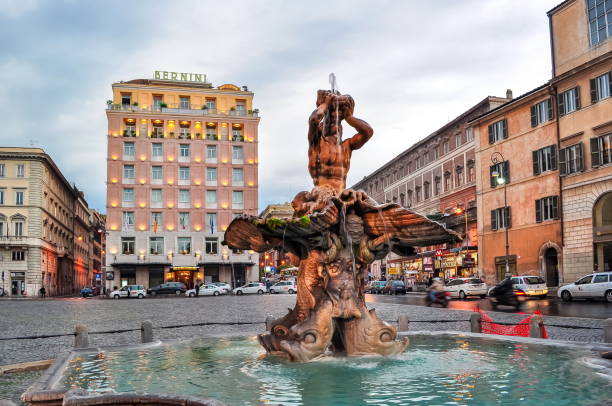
253, 287
225, 286
593, 286
464, 287
207, 290
531, 285
137, 291
284, 287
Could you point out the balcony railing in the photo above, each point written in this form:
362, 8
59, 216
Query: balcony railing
176, 108
13, 238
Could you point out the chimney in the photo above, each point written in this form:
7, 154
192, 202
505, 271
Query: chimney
509, 94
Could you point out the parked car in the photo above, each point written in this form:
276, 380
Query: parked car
464, 287
253, 287
225, 286
376, 286
394, 288
137, 291
284, 287
528, 286
594, 286
169, 287
207, 290
89, 291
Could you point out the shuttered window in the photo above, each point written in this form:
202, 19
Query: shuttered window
601, 87
601, 150
569, 101
571, 160
544, 159
499, 170
547, 208
498, 131
541, 113
501, 218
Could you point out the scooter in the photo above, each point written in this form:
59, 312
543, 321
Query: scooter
514, 299
441, 299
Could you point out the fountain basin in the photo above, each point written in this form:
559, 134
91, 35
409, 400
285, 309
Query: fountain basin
437, 368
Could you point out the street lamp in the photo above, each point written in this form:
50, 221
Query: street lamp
497, 158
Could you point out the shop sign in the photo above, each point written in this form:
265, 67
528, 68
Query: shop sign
185, 268
393, 270
180, 77
469, 261
110, 275
449, 262
428, 264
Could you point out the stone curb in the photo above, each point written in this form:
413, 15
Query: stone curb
26, 366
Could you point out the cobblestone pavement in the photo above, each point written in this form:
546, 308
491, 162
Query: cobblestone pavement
21, 318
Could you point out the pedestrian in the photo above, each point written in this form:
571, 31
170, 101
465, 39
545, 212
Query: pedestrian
43, 292
268, 285
197, 289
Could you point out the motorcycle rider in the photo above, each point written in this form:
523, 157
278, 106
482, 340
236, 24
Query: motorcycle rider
436, 289
504, 289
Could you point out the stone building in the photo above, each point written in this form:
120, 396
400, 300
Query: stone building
98, 247
274, 259
517, 184
38, 243
582, 85
182, 163
437, 177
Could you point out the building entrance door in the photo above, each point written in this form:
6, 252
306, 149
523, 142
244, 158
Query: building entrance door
552, 267
17, 283
185, 277
602, 233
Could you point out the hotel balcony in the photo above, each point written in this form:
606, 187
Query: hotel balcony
178, 109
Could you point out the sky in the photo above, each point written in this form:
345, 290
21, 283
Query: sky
411, 67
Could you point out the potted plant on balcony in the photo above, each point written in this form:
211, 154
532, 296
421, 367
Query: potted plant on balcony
204, 107
109, 103
171, 134
198, 136
135, 104
163, 105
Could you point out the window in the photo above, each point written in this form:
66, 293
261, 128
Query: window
184, 173
600, 278
18, 228
158, 131
601, 150
156, 245
498, 131
156, 220
184, 102
128, 195
600, 20
211, 197
18, 255
211, 222
427, 190
184, 245
126, 99
128, 149
184, 221
20, 171
237, 134
157, 173
2, 170
128, 219
212, 245
157, 101
128, 172
237, 197
129, 131
211, 174
436, 186
2, 226
19, 197
547, 208
237, 175
211, 152
157, 149
184, 150
601, 87
418, 194
184, 133
544, 159
585, 280
156, 196
402, 200
127, 245
500, 171
184, 196
469, 134
569, 101
237, 153
570, 160
501, 218
457, 140
409, 198
448, 182
541, 113
240, 109
458, 176
471, 173
211, 133
1, 198
446, 147
211, 104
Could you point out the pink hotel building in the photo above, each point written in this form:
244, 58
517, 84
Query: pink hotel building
182, 163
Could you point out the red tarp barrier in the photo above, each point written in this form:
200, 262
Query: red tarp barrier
520, 330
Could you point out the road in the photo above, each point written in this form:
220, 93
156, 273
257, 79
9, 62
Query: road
548, 307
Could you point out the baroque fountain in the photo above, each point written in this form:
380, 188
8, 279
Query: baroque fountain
333, 237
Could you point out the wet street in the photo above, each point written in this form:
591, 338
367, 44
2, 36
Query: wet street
549, 307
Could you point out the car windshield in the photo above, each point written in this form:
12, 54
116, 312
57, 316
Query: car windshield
533, 280
475, 280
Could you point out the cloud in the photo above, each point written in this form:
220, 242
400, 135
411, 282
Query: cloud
411, 66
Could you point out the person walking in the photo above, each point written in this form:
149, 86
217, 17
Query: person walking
197, 289
43, 292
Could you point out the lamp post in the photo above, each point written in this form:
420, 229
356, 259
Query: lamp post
497, 158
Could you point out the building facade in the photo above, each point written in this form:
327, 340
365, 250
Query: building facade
273, 260
434, 177
518, 195
39, 232
182, 163
582, 84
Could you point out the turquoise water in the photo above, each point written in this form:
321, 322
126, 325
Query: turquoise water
433, 371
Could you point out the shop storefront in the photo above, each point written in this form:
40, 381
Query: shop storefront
189, 275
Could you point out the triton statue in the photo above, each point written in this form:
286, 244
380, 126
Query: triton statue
333, 237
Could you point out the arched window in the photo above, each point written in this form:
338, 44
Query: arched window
602, 233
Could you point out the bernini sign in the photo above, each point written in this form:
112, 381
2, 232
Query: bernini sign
183, 77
